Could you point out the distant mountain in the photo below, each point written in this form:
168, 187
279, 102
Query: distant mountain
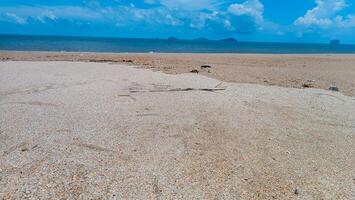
334, 42
229, 40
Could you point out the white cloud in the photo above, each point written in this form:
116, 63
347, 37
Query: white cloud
157, 16
326, 20
21, 15
253, 8
238, 18
189, 4
199, 21
12, 17
323, 15
208, 15
345, 22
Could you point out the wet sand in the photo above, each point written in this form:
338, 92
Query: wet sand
85, 130
293, 71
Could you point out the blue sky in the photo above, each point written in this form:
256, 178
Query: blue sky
251, 20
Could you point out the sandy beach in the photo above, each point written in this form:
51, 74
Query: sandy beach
285, 70
142, 126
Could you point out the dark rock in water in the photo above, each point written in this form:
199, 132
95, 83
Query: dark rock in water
205, 66
334, 42
334, 88
229, 40
194, 71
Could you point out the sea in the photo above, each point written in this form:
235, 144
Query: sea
171, 45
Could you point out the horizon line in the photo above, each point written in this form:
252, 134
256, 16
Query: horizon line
172, 38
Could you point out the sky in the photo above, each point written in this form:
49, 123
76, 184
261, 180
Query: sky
246, 20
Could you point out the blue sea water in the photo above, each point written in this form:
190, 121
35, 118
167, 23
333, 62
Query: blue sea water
89, 44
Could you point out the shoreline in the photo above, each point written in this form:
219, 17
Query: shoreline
178, 53
320, 71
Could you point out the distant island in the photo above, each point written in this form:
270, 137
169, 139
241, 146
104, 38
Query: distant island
228, 40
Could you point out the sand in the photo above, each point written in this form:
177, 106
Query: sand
293, 71
81, 130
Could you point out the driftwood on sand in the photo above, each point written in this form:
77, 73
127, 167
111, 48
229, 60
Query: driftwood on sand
180, 90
